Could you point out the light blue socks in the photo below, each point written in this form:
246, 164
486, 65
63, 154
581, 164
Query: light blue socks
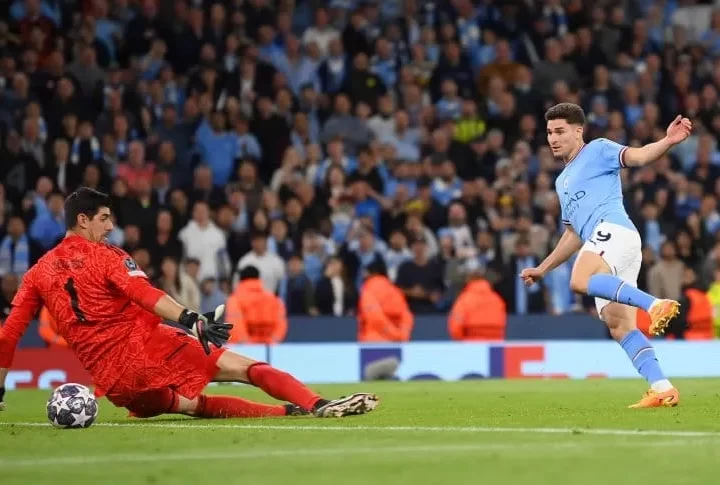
642, 355
610, 287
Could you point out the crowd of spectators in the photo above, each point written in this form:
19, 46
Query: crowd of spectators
313, 138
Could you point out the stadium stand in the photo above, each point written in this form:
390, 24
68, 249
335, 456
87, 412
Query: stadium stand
311, 139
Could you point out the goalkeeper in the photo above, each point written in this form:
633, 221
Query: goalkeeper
111, 317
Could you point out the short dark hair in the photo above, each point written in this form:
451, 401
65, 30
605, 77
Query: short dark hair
364, 149
257, 234
249, 273
84, 201
570, 112
376, 267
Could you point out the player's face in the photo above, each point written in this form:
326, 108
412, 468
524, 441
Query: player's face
99, 226
564, 139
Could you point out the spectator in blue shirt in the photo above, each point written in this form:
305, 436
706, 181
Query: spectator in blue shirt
210, 295
404, 139
447, 186
396, 253
314, 255
449, 107
711, 37
384, 63
365, 205
248, 147
336, 156
18, 11
268, 50
298, 69
48, 227
296, 289
217, 148
402, 176
332, 71
108, 30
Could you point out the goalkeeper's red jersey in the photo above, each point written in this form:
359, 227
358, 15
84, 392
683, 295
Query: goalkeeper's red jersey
96, 293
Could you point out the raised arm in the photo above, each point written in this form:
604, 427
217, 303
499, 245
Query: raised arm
677, 132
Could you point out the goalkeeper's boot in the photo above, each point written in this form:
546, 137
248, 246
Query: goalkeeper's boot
661, 313
654, 399
295, 410
352, 405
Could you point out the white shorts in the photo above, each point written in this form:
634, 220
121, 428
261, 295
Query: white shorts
621, 248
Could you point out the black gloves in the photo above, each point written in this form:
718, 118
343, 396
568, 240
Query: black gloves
206, 327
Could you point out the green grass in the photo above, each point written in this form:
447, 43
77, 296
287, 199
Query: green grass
423, 433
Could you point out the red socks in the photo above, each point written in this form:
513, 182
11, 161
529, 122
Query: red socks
281, 385
235, 407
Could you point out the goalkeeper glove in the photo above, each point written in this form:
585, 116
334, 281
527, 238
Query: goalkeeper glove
2, 397
206, 327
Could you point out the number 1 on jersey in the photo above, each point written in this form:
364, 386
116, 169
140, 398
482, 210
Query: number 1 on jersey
70, 288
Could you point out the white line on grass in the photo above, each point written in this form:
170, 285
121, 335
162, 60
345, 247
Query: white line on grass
241, 454
421, 429
382, 451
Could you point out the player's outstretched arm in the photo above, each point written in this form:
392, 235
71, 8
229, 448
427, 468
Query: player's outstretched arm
122, 272
677, 132
25, 306
569, 244
206, 327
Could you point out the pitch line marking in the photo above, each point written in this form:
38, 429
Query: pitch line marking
261, 454
224, 455
421, 429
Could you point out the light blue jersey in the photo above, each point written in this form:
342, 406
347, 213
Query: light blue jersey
590, 189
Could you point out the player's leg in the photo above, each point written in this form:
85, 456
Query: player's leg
167, 401
621, 321
233, 367
170, 377
177, 361
593, 276
624, 261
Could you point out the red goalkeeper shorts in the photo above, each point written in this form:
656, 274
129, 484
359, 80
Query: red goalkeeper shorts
172, 360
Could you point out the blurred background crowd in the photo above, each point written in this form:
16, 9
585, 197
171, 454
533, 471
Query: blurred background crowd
312, 139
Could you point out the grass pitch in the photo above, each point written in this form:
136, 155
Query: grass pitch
479, 432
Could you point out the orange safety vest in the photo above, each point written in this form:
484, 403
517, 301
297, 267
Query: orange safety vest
48, 329
700, 315
479, 313
257, 316
383, 312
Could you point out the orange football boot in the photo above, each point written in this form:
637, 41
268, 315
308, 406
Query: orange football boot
654, 399
661, 313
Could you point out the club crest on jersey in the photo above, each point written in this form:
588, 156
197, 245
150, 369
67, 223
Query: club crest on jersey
130, 264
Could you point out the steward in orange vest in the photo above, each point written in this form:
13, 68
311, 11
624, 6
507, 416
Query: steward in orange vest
383, 312
48, 329
257, 316
695, 321
479, 313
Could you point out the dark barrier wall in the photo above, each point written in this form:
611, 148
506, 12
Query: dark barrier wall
427, 328
528, 327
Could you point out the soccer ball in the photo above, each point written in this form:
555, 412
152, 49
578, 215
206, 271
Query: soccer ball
72, 406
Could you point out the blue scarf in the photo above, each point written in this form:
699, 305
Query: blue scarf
122, 147
522, 293
94, 148
17, 263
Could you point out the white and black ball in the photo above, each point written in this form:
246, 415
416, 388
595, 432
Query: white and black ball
72, 406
